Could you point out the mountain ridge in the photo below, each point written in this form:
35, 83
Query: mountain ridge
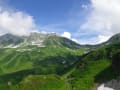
56, 55
37, 39
49, 39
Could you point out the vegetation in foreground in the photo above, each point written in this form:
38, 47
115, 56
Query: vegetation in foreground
19, 63
97, 67
31, 68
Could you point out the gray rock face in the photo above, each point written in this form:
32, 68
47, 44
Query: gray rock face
9, 39
111, 85
115, 84
33, 39
37, 39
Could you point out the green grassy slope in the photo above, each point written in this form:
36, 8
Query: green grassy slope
41, 82
55, 40
22, 68
13, 60
37, 82
94, 68
18, 63
30, 67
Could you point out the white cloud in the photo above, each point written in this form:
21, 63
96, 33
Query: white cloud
102, 38
75, 40
15, 22
94, 40
67, 35
103, 19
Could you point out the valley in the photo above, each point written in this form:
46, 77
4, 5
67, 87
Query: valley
50, 62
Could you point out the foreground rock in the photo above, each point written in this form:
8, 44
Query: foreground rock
111, 85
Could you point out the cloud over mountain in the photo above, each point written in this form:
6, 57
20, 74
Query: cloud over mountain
15, 22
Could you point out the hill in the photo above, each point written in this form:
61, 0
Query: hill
38, 82
96, 68
32, 62
111, 40
37, 39
9, 39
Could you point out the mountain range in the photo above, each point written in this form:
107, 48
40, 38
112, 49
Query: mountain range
50, 39
36, 39
50, 62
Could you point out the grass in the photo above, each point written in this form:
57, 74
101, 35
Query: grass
34, 69
95, 67
41, 82
13, 60
84, 79
16, 66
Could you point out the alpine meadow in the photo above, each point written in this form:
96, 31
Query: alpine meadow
59, 45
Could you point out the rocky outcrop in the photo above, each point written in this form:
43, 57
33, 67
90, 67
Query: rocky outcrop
111, 85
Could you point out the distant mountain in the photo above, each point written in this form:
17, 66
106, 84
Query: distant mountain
54, 40
37, 39
50, 39
9, 39
96, 67
37, 55
113, 39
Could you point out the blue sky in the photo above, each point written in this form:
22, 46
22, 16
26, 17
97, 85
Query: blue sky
54, 15
48, 11
62, 15
84, 21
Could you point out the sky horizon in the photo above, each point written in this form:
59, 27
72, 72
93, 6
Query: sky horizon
84, 21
